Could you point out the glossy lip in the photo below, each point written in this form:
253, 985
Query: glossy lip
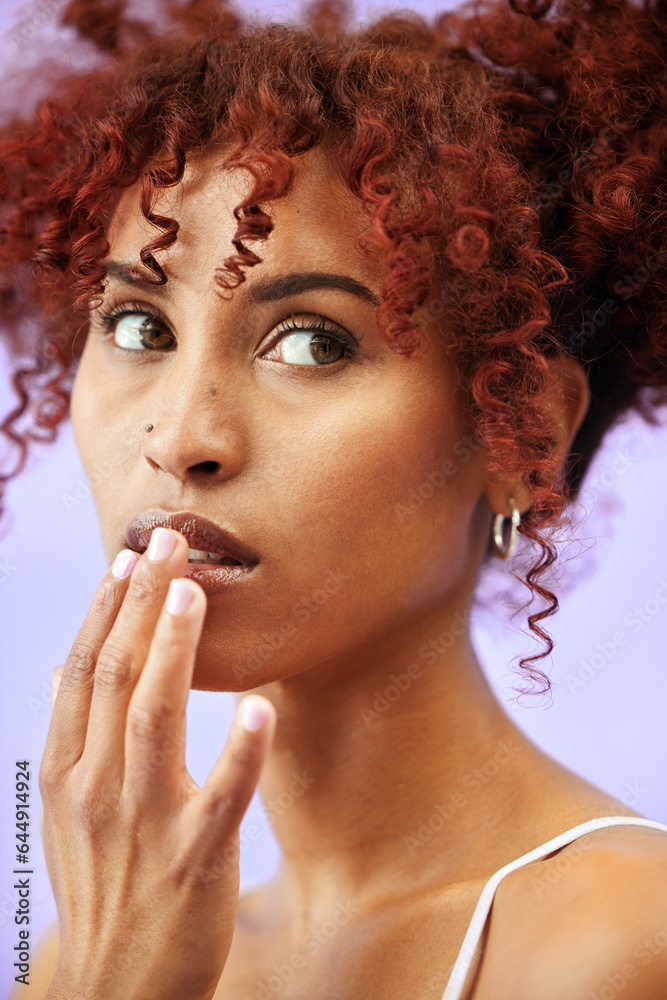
215, 579
200, 532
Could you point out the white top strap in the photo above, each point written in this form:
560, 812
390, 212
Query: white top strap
476, 926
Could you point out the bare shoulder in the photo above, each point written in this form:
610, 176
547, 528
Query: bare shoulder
43, 965
589, 921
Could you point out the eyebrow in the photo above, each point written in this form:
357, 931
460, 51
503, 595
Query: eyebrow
261, 289
272, 289
123, 273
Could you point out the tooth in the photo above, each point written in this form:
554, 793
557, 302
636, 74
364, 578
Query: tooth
197, 554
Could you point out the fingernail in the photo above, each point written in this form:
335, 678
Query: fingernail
161, 544
124, 563
179, 596
254, 713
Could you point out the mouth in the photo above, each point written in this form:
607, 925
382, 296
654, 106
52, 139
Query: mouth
202, 558
199, 557
208, 543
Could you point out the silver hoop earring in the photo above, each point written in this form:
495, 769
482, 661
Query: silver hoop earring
498, 532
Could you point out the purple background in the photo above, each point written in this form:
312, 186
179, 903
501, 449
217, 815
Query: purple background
610, 728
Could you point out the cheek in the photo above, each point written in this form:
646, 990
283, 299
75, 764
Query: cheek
357, 465
86, 410
350, 498
342, 568
102, 444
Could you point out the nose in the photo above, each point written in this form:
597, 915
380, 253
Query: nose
191, 440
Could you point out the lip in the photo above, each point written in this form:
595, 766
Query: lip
201, 533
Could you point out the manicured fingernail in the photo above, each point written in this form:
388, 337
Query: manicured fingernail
161, 544
124, 563
179, 596
254, 713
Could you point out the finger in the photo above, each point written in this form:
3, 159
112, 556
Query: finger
66, 738
124, 653
55, 683
220, 806
155, 732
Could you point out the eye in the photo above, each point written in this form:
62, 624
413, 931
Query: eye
306, 341
135, 327
301, 340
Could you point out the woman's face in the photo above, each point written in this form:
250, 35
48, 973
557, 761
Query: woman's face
323, 469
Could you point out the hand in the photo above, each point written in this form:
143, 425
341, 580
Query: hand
143, 862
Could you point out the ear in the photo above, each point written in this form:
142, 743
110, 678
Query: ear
568, 403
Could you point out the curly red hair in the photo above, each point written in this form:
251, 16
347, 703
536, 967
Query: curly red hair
511, 160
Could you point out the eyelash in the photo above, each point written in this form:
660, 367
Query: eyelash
323, 325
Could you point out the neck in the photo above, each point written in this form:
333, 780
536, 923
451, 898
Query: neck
392, 772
